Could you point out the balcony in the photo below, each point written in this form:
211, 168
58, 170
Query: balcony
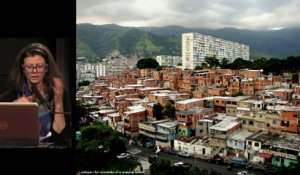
147, 127
162, 137
244, 116
243, 109
218, 143
147, 133
230, 105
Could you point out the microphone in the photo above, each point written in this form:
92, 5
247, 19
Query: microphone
42, 100
40, 97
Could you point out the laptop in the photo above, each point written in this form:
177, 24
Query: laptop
19, 124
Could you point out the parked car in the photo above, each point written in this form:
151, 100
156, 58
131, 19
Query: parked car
244, 173
169, 151
123, 155
184, 154
183, 164
240, 162
216, 159
267, 169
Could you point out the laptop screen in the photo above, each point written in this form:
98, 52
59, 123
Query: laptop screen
19, 124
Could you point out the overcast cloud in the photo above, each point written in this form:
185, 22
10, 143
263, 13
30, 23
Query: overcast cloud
213, 14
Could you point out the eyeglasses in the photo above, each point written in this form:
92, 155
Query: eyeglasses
37, 67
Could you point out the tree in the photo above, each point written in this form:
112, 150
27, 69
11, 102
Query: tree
240, 63
82, 115
161, 167
195, 171
125, 165
204, 65
259, 64
83, 83
212, 61
292, 64
169, 110
159, 68
157, 111
273, 65
90, 156
224, 63
147, 63
198, 67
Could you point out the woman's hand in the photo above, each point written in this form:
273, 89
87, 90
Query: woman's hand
24, 99
58, 90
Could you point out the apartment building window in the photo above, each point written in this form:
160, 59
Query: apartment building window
256, 144
295, 116
285, 123
251, 123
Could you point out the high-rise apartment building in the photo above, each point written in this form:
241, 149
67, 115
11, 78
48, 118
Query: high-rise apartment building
168, 60
195, 47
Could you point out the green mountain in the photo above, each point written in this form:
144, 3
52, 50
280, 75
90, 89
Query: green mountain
102, 39
84, 50
98, 40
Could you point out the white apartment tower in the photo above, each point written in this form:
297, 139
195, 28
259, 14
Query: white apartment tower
168, 60
195, 47
100, 69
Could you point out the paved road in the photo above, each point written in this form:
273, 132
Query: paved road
144, 153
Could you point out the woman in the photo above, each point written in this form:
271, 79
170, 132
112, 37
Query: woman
35, 75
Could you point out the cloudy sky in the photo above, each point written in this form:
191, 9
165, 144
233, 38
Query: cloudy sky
213, 14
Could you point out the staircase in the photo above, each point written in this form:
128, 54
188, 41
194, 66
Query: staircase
216, 151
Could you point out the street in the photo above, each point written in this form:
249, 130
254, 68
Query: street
143, 154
